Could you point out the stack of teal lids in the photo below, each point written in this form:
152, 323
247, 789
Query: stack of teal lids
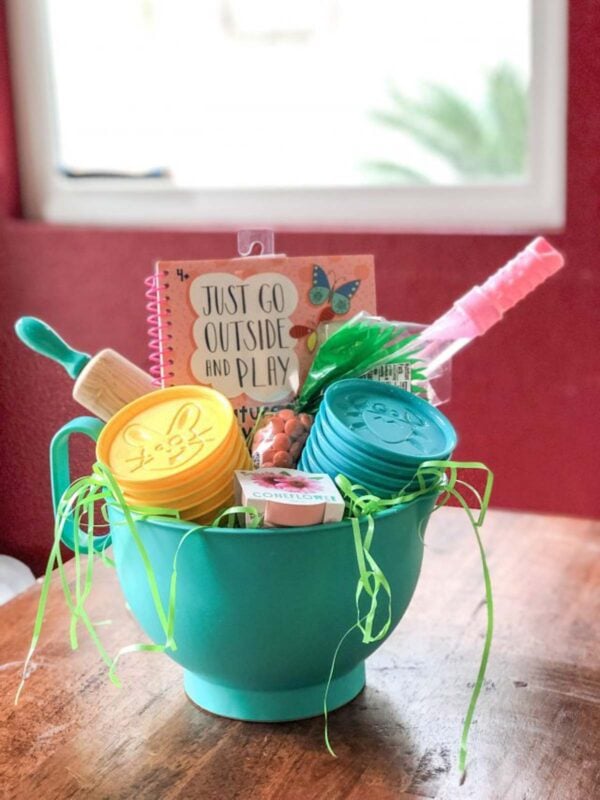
376, 435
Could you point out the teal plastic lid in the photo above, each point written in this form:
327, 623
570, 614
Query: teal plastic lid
334, 447
361, 468
386, 420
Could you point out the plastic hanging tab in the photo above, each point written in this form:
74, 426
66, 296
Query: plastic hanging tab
264, 238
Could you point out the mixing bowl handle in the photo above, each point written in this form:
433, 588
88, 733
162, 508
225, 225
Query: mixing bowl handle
60, 476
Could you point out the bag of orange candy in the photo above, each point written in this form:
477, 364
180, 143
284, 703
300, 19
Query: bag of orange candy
279, 438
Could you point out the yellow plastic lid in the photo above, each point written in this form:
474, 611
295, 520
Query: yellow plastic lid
199, 493
209, 518
165, 435
221, 500
215, 499
205, 508
200, 481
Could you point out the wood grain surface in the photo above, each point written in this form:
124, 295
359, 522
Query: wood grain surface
536, 733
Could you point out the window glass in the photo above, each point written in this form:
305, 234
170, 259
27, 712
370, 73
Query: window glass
281, 93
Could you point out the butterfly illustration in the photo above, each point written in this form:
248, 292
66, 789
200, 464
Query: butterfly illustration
300, 331
338, 296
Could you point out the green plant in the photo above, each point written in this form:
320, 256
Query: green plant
478, 143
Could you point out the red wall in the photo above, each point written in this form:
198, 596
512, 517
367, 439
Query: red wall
526, 397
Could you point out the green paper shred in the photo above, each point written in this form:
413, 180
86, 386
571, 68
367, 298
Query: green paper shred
430, 476
78, 503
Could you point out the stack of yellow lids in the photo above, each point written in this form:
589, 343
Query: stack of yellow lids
176, 448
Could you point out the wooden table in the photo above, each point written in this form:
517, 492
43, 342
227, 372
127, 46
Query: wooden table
536, 733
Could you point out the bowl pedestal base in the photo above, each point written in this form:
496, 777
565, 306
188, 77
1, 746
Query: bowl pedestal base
273, 706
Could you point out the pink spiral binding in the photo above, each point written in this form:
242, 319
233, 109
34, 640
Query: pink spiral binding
158, 333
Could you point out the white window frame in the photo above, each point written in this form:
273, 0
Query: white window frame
538, 202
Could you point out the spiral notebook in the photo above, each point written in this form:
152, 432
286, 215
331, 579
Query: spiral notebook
247, 326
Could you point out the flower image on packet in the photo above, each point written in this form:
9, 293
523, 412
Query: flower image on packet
289, 498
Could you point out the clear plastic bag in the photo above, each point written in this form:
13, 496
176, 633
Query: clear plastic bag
279, 438
369, 346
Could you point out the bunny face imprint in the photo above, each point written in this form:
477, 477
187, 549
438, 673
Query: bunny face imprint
168, 451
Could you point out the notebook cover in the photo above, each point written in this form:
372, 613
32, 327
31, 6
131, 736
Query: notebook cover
246, 326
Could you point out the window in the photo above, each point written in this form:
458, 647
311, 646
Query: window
326, 113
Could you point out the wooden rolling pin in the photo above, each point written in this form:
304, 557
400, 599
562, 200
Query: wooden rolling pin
104, 383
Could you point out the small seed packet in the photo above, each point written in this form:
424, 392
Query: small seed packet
289, 497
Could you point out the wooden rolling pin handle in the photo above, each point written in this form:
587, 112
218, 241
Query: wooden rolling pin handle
108, 382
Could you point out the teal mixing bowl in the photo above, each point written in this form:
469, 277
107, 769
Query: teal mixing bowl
259, 612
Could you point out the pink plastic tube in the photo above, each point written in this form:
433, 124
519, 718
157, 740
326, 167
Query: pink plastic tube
483, 306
